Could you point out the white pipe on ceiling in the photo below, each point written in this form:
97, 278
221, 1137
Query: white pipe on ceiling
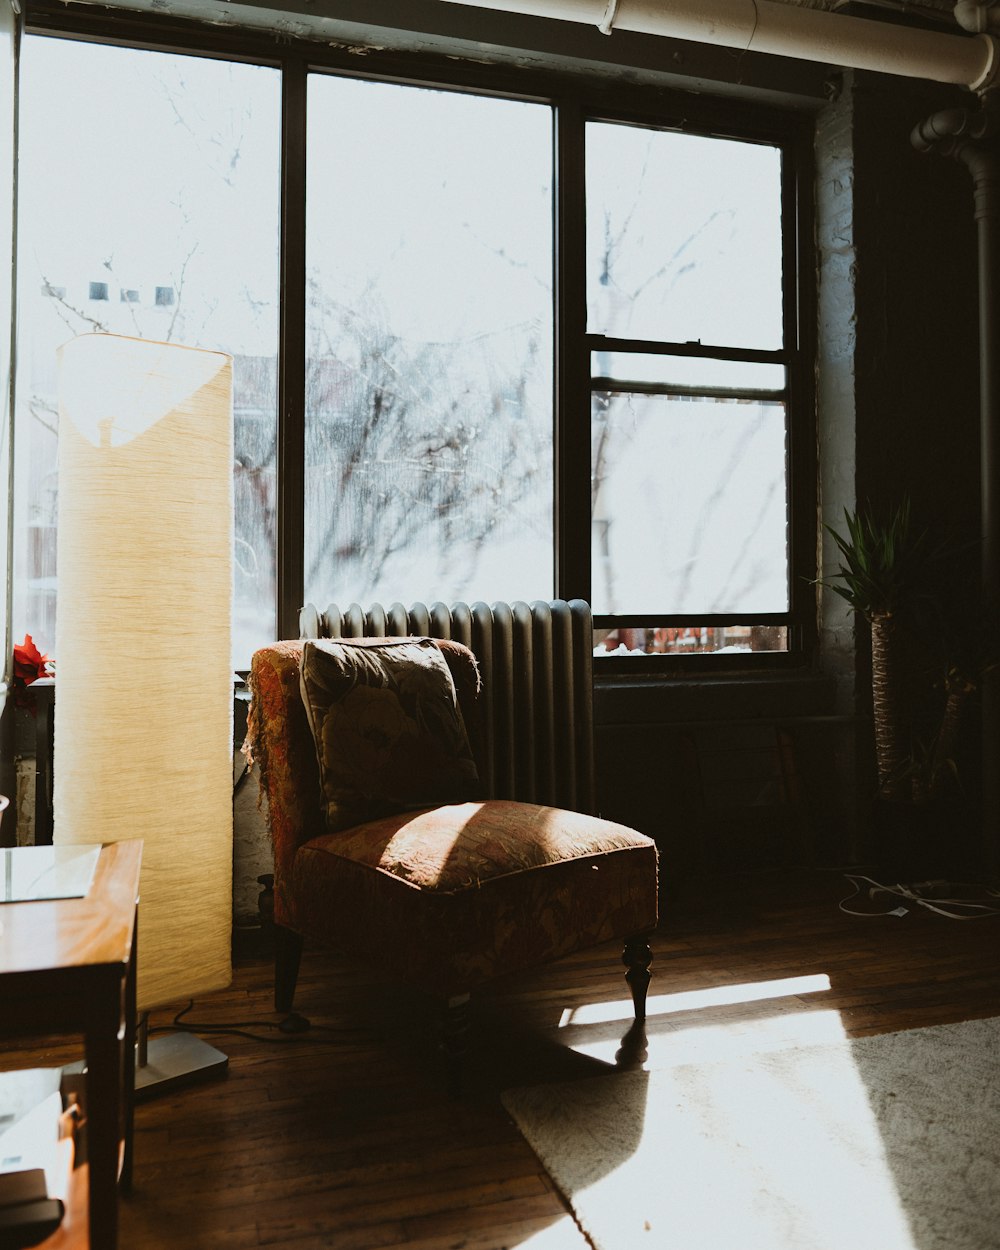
786, 30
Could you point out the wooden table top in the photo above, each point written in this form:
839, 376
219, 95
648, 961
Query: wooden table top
89, 932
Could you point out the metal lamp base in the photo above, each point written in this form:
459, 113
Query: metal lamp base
174, 1060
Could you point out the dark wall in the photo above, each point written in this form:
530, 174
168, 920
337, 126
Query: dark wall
917, 373
738, 774
917, 344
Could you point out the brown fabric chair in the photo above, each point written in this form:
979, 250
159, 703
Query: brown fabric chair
450, 896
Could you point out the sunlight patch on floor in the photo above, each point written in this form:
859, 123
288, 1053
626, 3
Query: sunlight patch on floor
768, 1152
694, 1000
756, 1131
667, 1045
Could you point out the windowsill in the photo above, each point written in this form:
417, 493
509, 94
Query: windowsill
703, 696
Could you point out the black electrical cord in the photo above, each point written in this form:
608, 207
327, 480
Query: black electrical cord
293, 1028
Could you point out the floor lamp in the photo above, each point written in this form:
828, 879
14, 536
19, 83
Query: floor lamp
143, 724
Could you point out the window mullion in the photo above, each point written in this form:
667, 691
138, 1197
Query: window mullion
625, 386
291, 373
653, 347
572, 366
799, 296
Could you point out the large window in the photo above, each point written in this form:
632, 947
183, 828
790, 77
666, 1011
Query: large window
429, 345
148, 206
503, 345
690, 500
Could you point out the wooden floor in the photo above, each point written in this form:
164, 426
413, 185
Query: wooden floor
343, 1137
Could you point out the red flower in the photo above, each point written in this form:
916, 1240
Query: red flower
29, 663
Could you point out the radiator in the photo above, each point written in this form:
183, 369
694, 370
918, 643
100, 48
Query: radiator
536, 662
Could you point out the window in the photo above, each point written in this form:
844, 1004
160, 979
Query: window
690, 499
163, 174
531, 343
429, 345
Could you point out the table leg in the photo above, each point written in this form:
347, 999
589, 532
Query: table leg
104, 1040
128, 1067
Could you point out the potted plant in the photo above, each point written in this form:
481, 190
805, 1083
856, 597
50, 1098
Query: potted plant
881, 576
891, 574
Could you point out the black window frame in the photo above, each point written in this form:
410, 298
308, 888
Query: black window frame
575, 100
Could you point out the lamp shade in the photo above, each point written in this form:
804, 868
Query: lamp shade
143, 715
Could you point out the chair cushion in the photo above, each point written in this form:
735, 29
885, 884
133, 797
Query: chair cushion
388, 730
454, 896
280, 743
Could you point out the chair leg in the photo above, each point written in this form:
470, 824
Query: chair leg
455, 1042
287, 953
637, 957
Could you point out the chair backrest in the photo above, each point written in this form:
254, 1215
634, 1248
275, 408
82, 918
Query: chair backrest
280, 744
536, 702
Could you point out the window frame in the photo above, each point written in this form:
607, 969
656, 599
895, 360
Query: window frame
794, 140
575, 100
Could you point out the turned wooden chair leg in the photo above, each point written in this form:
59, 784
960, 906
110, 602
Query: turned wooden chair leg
287, 953
637, 957
455, 1042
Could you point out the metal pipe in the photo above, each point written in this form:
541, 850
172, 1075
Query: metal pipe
142, 1040
976, 15
984, 165
973, 137
785, 30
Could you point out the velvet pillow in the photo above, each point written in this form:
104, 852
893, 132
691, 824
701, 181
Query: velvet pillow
388, 729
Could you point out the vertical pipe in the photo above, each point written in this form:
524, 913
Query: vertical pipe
985, 168
973, 137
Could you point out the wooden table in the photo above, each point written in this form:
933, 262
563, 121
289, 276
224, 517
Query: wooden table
68, 966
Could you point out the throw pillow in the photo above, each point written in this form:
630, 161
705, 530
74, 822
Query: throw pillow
388, 729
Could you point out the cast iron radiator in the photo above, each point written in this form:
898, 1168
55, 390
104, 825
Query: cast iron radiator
536, 662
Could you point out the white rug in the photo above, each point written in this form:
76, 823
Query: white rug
884, 1143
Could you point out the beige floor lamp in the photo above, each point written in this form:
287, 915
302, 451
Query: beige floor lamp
143, 728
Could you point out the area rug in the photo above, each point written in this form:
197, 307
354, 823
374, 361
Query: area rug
882, 1143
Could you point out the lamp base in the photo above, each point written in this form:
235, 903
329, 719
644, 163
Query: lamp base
174, 1060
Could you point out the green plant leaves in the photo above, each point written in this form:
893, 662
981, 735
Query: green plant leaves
885, 562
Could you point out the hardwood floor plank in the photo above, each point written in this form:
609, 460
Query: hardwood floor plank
346, 1140
539, 1233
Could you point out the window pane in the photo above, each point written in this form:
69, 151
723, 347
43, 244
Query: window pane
696, 371
429, 377
689, 505
148, 206
690, 640
683, 238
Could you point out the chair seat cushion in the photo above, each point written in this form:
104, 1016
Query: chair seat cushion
453, 896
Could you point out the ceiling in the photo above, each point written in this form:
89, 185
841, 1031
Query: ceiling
311, 18
472, 32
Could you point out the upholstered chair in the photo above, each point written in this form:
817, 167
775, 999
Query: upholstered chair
427, 870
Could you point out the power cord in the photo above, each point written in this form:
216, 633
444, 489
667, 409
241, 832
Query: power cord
924, 894
292, 1028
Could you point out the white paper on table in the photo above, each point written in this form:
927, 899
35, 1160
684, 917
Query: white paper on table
33, 1142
